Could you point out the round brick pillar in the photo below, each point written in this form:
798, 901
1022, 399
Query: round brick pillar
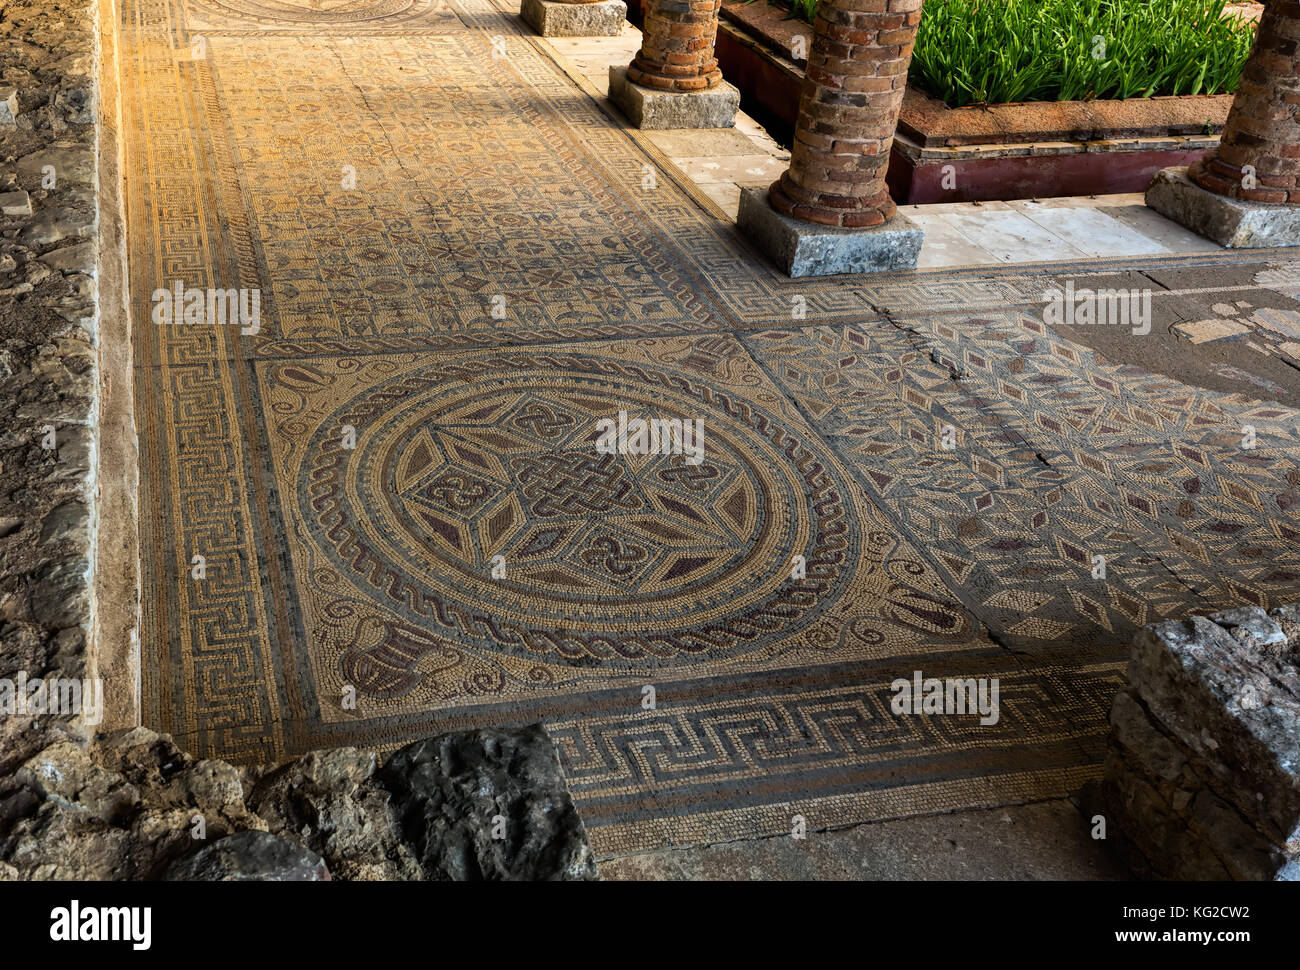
1263, 127
677, 38
848, 109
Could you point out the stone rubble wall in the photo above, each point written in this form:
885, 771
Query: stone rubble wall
470, 806
1202, 770
48, 372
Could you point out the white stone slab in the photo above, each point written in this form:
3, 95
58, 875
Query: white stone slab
1168, 233
1094, 231
726, 195
944, 244
1012, 237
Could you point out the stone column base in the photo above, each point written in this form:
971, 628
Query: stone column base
1229, 222
649, 109
604, 19
807, 249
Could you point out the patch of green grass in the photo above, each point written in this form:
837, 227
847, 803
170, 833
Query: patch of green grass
996, 51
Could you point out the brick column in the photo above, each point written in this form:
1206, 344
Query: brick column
1263, 126
677, 46
852, 93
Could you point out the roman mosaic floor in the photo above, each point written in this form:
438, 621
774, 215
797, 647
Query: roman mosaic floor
465, 262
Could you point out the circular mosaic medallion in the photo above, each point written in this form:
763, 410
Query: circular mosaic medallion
502, 506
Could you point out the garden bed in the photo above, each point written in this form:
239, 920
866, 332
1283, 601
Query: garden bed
1046, 149
1007, 151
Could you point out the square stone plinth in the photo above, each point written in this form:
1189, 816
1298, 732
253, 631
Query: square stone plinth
806, 249
604, 19
649, 109
1229, 222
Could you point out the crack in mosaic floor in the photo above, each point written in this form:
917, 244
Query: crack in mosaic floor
497, 281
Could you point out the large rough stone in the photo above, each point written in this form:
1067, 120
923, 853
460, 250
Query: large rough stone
1165, 806
62, 598
1229, 222
131, 805
68, 163
15, 203
57, 223
77, 258
67, 776
807, 249
8, 105
649, 109
1202, 770
55, 844
332, 802
1228, 689
489, 805
123, 808
250, 857
551, 19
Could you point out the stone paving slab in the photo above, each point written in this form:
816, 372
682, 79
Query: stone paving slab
1043, 841
1007, 234
741, 170
1094, 232
1154, 226
945, 244
712, 143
